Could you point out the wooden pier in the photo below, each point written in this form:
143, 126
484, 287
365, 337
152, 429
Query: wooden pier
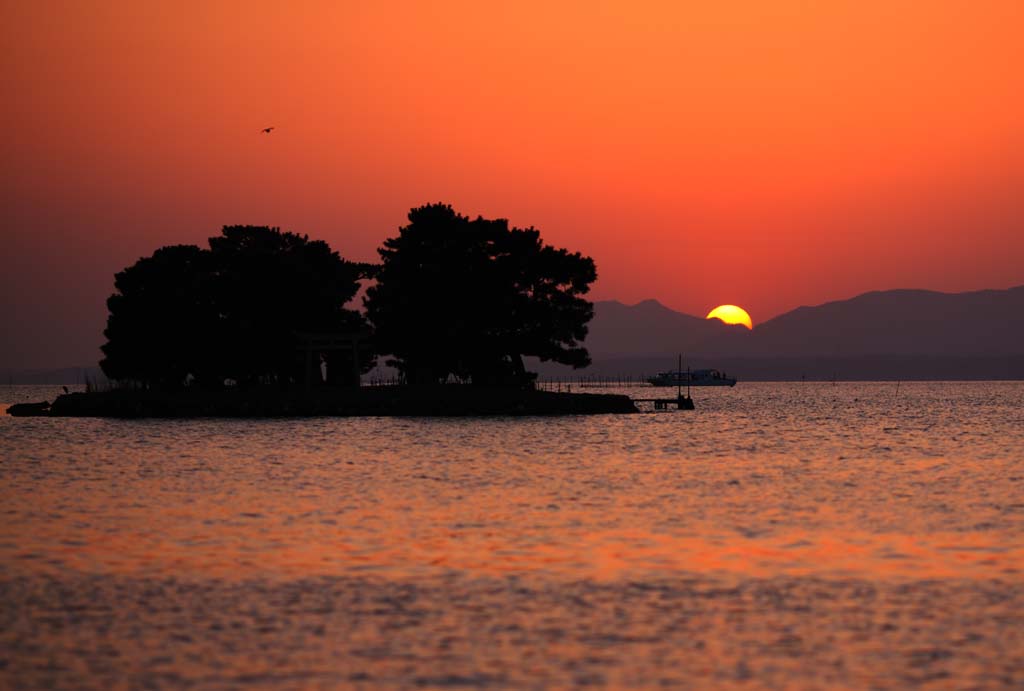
681, 402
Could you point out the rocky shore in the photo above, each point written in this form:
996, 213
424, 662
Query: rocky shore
364, 401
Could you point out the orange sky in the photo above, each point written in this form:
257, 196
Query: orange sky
767, 154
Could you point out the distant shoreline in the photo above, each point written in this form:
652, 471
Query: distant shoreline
638, 367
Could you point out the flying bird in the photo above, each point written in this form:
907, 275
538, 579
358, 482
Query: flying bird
266, 130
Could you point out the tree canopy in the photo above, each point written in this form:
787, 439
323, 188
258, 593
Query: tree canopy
470, 298
231, 311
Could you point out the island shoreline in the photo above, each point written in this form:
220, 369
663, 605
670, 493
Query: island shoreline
385, 401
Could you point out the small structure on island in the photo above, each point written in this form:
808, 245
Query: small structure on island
343, 354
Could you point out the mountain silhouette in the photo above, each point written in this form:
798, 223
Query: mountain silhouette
892, 334
651, 328
891, 322
899, 322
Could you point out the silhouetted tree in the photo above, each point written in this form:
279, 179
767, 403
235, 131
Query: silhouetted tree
270, 286
162, 318
232, 311
470, 298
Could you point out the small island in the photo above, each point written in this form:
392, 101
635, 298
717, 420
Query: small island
261, 324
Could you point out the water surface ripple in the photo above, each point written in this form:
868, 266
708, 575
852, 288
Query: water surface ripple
781, 535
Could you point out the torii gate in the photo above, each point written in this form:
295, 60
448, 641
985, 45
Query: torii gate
310, 343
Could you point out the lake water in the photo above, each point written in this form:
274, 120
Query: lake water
780, 536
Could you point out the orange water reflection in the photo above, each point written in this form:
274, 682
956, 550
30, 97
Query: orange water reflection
780, 537
763, 480
232, 537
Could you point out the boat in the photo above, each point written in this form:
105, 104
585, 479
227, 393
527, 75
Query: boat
697, 377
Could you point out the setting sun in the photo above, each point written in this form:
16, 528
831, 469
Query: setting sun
731, 314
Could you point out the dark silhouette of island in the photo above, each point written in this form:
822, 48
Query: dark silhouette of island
258, 324
894, 334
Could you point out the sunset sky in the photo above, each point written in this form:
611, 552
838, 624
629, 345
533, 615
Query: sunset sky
767, 154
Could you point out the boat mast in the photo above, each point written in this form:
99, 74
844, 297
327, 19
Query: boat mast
679, 379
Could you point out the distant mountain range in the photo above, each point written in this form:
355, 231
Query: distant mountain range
891, 334
912, 334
